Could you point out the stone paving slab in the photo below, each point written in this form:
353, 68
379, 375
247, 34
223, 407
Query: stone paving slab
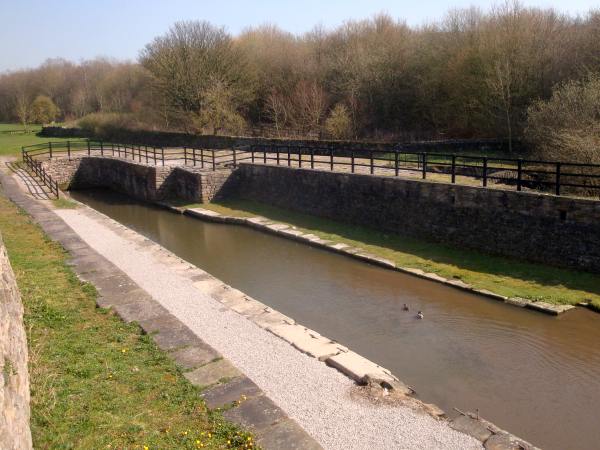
257, 414
192, 357
139, 308
289, 436
239, 388
212, 373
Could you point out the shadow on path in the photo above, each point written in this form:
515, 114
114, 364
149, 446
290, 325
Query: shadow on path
36, 189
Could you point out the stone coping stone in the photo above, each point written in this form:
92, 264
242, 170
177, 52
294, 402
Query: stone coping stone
237, 389
549, 308
472, 427
212, 373
359, 368
502, 441
307, 341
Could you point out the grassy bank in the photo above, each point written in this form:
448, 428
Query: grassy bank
97, 382
10, 144
504, 276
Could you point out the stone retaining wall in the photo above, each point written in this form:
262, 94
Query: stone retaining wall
543, 228
148, 183
14, 377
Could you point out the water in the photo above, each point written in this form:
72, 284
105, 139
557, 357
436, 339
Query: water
535, 375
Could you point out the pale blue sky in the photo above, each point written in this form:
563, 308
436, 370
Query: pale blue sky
33, 30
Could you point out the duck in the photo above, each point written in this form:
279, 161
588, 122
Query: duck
405, 307
420, 315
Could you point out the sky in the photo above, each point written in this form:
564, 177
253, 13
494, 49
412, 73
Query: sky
33, 31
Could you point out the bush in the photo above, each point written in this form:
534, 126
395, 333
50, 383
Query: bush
567, 126
339, 123
105, 124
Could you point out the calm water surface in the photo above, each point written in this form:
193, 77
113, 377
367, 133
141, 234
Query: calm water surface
537, 376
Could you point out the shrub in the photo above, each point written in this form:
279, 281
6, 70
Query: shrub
567, 126
339, 123
105, 124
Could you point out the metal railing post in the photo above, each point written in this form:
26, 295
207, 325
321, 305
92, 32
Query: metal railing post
371, 168
112, 145
69, 150
214, 163
185, 156
300, 157
202, 158
162, 152
485, 171
396, 168
519, 174
50, 148
557, 179
88, 148
424, 157
277, 151
194, 156
234, 158
288, 154
101, 148
331, 158
453, 168
252, 153
312, 158
265, 154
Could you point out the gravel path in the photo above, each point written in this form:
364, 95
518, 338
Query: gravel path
316, 396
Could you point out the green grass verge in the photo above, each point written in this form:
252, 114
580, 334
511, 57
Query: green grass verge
501, 275
97, 382
10, 144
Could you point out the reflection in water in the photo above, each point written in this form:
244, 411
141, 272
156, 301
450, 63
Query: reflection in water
535, 375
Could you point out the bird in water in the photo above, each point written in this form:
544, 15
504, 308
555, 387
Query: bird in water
405, 307
420, 315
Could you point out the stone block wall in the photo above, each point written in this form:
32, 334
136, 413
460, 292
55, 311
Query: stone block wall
15, 433
554, 230
197, 185
148, 183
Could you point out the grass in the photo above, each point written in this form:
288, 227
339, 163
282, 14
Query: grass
97, 382
501, 275
10, 144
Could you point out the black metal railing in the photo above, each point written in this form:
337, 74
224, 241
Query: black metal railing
559, 178
38, 170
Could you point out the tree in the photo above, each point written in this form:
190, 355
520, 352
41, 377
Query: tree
339, 123
43, 110
218, 110
191, 60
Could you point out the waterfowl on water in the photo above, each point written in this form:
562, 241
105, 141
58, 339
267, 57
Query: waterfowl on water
405, 307
420, 315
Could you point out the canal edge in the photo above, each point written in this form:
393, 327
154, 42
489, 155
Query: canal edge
290, 232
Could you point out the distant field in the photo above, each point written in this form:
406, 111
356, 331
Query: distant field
10, 144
